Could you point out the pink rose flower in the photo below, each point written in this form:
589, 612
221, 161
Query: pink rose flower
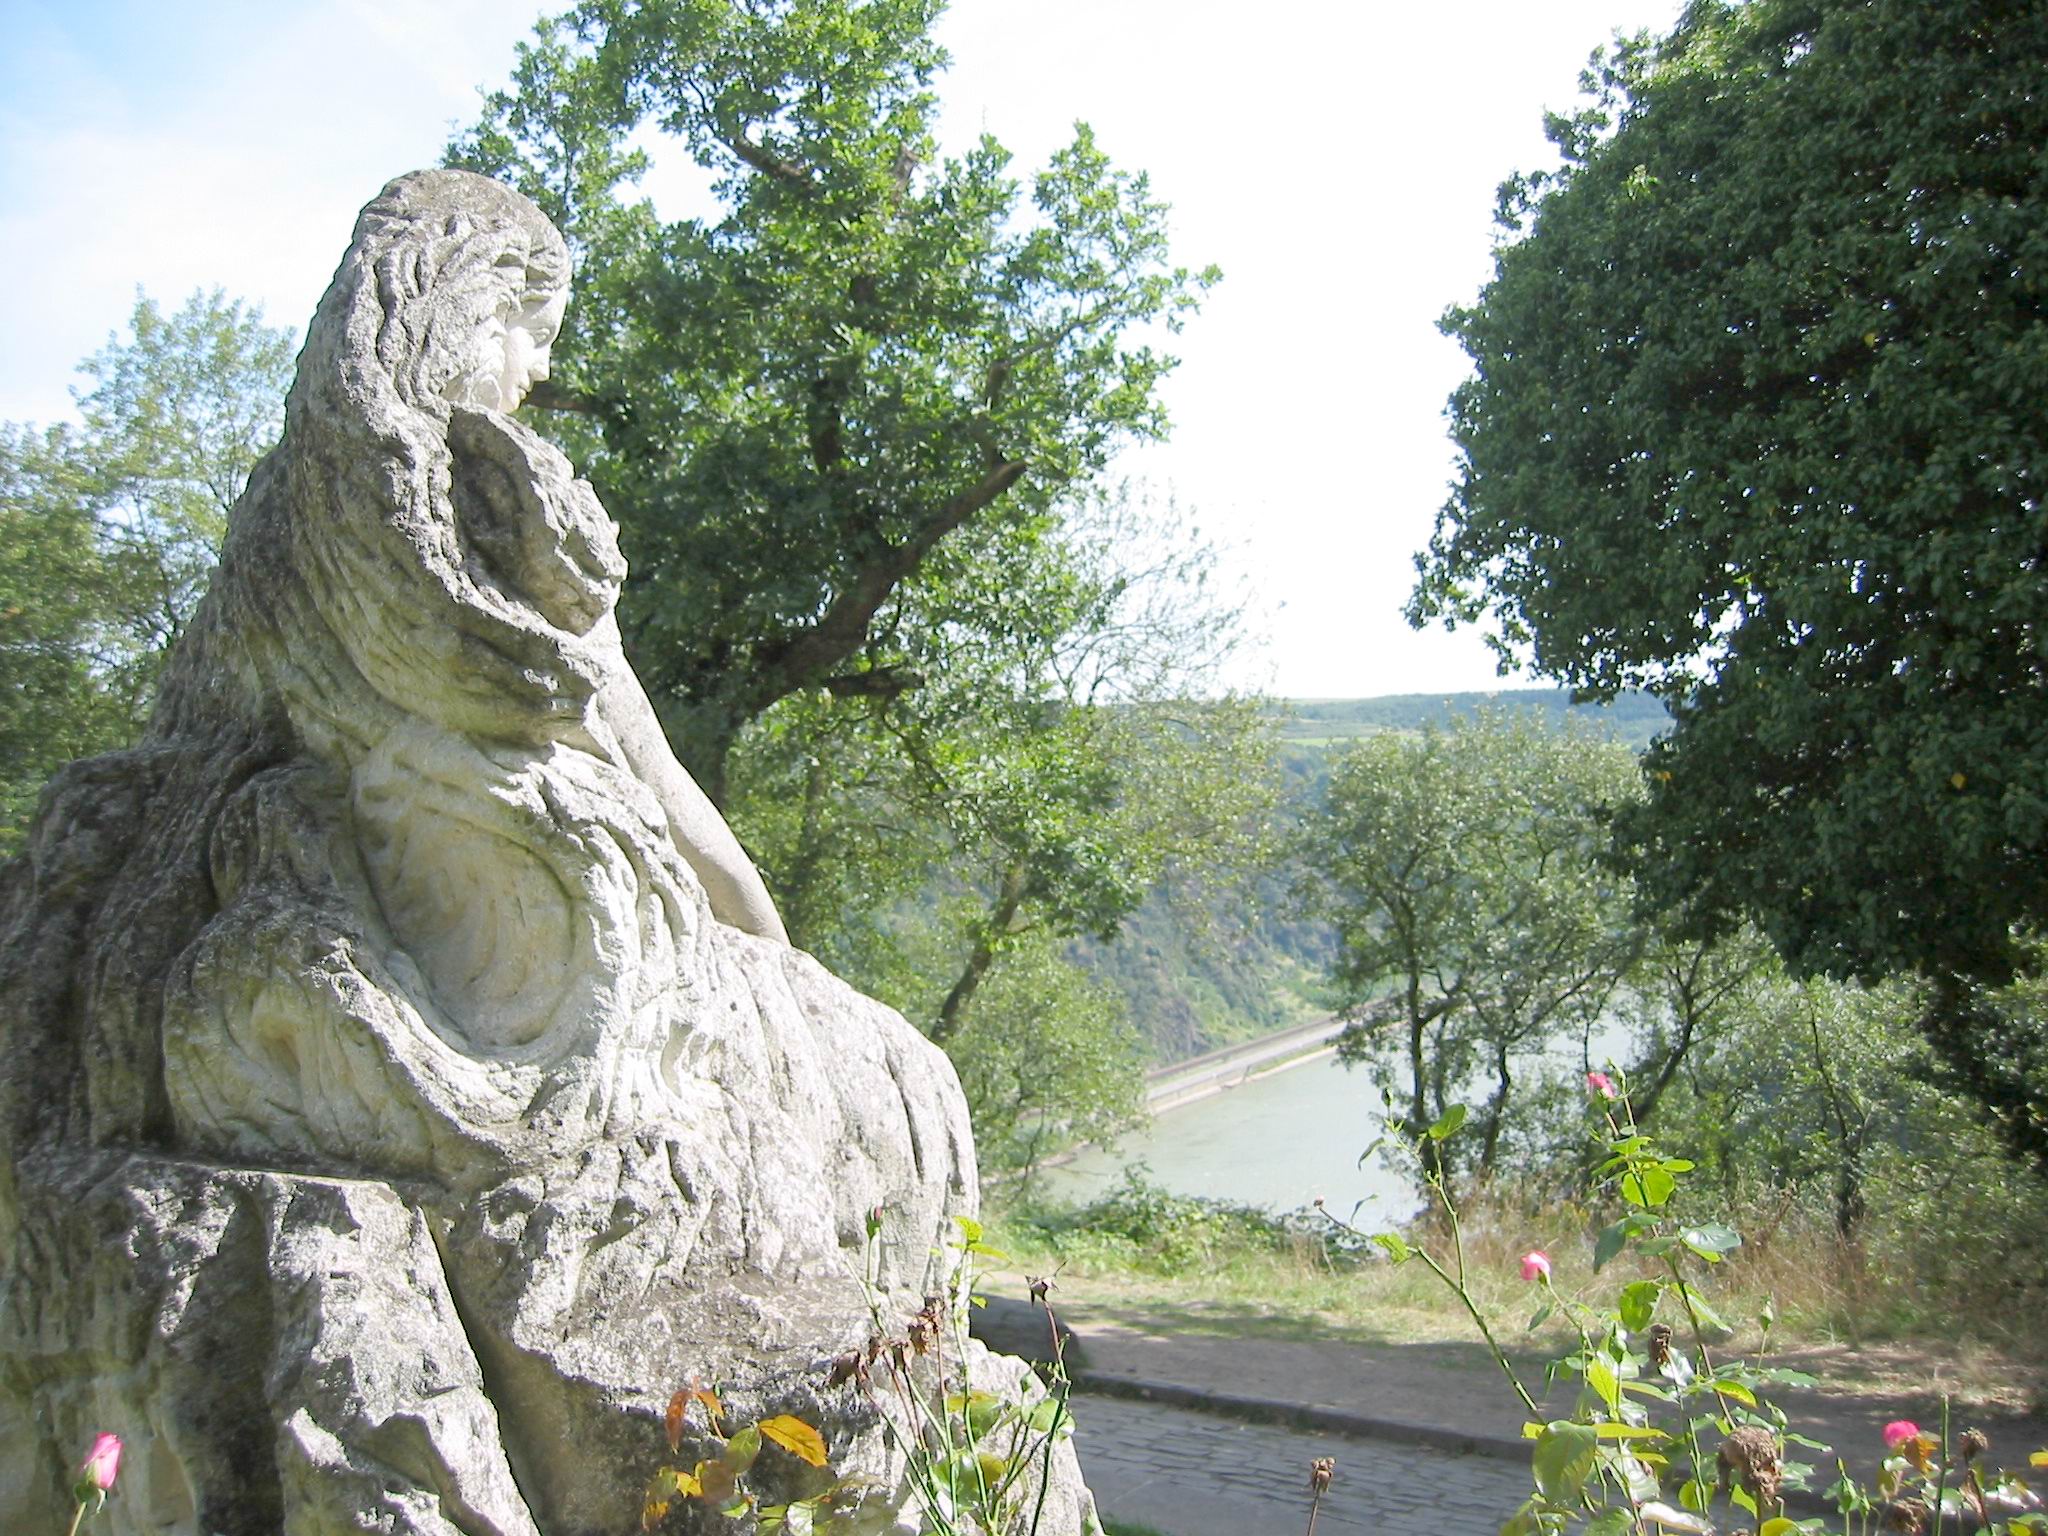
1898, 1432
100, 1466
1602, 1084
1535, 1265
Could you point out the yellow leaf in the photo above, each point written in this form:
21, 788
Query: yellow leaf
1627, 1432
795, 1437
2038, 1459
1777, 1527
1957, 781
667, 1483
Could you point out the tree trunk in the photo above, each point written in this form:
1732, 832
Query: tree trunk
981, 957
795, 898
1496, 1109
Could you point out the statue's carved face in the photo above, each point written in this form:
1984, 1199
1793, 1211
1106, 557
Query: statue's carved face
529, 335
511, 352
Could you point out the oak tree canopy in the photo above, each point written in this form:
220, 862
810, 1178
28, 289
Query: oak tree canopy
1756, 422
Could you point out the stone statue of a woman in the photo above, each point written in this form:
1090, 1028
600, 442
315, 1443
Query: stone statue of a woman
438, 323
405, 1083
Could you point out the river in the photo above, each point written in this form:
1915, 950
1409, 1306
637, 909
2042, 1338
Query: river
1282, 1139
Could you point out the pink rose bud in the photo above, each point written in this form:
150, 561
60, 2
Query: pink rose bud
99, 1467
1602, 1084
1535, 1265
1898, 1432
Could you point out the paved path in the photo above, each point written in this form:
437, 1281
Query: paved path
1196, 1474
1452, 1395
1198, 1433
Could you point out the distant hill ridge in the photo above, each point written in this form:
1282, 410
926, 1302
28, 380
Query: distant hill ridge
1632, 717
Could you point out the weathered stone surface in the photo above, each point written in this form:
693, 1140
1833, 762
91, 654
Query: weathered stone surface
407, 1081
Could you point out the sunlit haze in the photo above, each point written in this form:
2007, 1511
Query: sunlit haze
1338, 161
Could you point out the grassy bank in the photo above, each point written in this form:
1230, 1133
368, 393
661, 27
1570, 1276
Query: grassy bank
1876, 1311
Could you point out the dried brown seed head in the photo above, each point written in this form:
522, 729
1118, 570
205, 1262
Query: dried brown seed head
847, 1367
1906, 1515
1751, 1455
1320, 1471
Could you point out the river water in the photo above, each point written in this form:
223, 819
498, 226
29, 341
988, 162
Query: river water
1279, 1140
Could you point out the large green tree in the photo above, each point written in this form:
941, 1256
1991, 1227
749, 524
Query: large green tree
1054, 774
1475, 922
108, 528
850, 424
794, 406
1756, 423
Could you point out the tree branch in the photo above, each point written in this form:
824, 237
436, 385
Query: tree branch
876, 683
548, 396
840, 630
768, 164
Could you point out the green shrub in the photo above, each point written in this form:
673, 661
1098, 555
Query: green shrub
1140, 1226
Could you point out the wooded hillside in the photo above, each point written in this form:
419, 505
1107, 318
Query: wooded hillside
1194, 982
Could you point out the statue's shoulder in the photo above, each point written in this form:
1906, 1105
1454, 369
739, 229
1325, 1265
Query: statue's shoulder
539, 529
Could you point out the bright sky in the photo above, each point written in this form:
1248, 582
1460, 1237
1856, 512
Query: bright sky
1337, 158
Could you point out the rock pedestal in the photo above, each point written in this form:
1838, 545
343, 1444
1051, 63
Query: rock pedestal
407, 1086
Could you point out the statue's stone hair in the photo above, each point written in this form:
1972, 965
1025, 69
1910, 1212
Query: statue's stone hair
360, 485
443, 273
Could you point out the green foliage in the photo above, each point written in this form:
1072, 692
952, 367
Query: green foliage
1139, 1226
977, 1462
64, 661
1820, 1101
1755, 424
108, 529
1047, 1058
796, 409
1048, 777
1474, 920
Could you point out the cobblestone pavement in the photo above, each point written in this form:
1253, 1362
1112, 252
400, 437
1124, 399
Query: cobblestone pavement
1196, 1474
